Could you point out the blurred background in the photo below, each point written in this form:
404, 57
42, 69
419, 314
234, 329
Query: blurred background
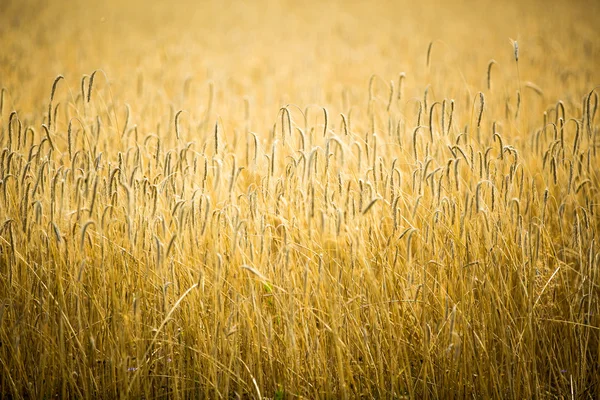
279, 52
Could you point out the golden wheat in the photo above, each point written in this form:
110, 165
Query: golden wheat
354, 224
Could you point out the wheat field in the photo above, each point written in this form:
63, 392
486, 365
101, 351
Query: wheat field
279, 200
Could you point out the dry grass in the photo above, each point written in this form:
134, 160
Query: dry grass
290, 200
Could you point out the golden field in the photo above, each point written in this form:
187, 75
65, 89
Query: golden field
278, 199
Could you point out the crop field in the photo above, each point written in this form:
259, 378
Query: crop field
279, 200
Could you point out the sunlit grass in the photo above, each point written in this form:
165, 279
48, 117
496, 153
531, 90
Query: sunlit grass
367, 206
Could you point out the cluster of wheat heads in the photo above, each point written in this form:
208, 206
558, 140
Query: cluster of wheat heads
411, 243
